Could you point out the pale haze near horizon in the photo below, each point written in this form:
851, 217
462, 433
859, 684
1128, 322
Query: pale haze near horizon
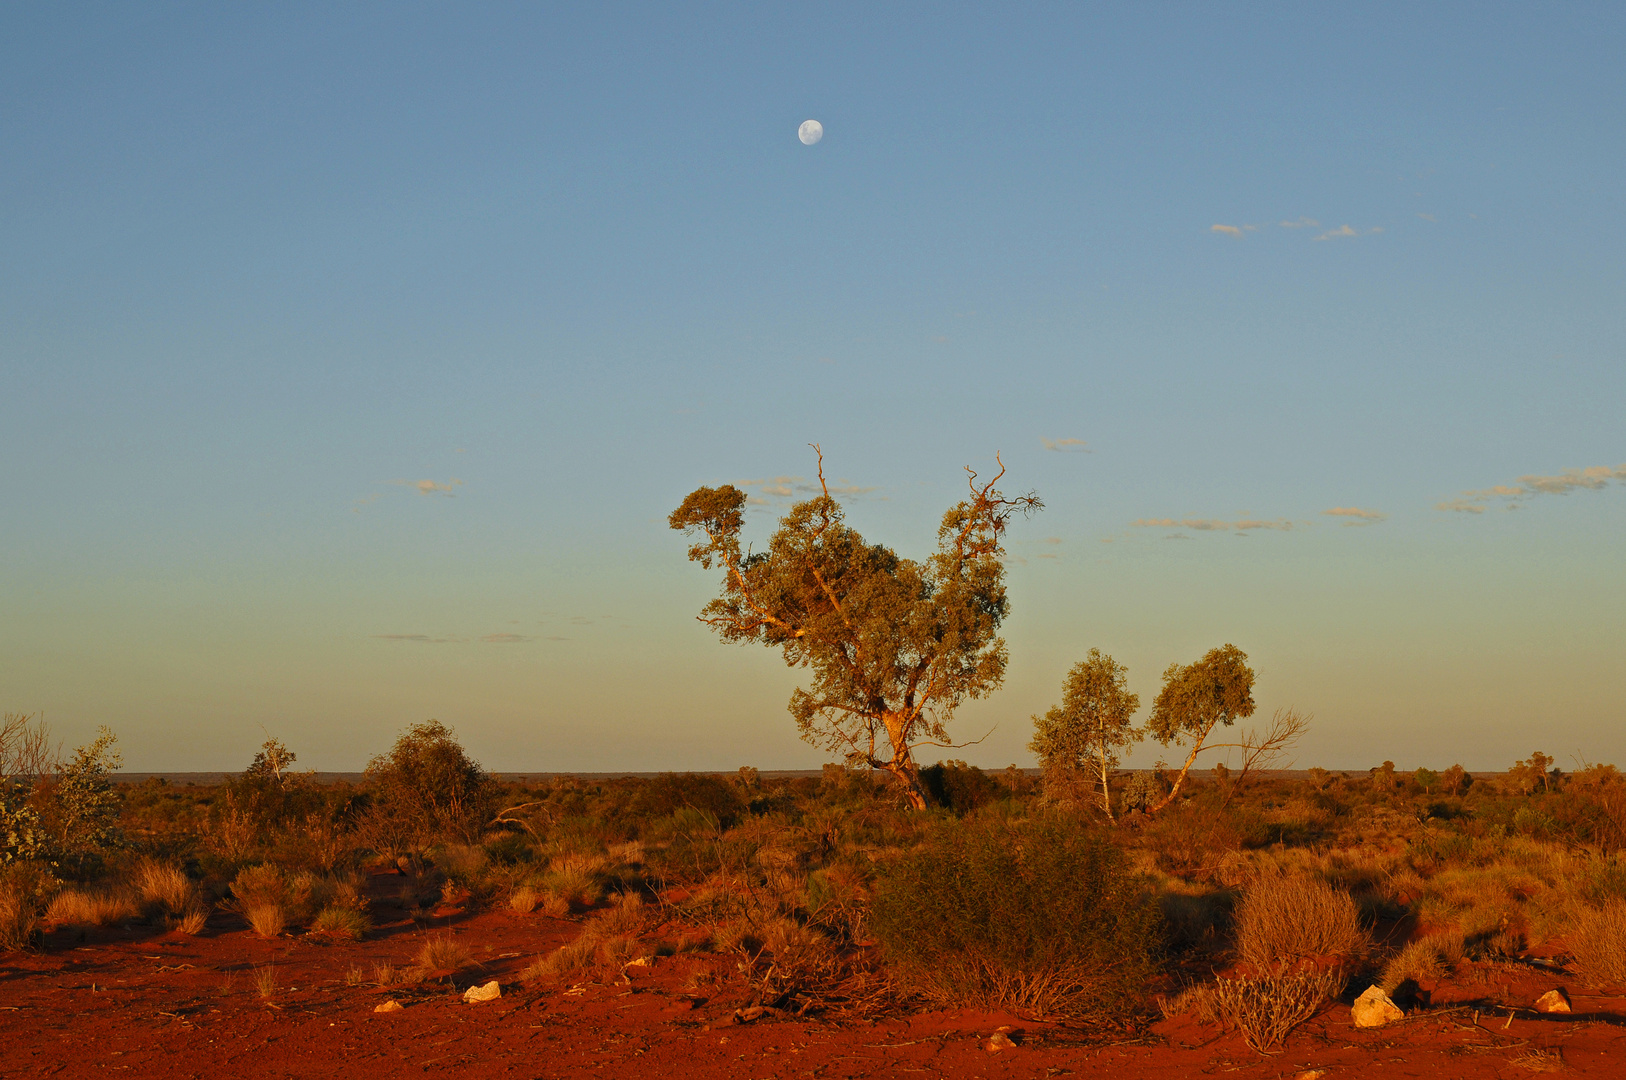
351, 361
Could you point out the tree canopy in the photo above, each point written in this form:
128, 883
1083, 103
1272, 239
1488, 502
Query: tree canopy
894, 645
1091, 724
1196, 698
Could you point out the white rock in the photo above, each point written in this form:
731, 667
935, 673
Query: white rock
491, 991
1374, 1009
998, 1041
1553, 1001
389, 1006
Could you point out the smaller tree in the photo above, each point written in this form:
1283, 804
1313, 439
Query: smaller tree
1195, 699
1455, 781
83, 807
426, 789
1085, 732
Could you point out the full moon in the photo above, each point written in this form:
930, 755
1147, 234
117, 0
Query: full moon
810, 132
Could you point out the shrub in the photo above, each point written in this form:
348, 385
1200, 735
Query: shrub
75, 907
164, 887
1041, 916
668, 793
960, 787
1597, 939
424, 791
267, 919
341, 921
1282, 919
523, 900
190, 922
1265, 1009
443, 952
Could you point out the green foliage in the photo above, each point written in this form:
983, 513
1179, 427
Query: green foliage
667, 793
1043, 916
894, 645
1218, 689
22, 834
960, 787
83, 808
1092, 723
426, 789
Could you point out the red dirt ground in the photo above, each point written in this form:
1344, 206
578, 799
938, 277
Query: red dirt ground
143, 1004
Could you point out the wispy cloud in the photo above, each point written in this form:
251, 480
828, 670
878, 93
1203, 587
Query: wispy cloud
429, 487
1345, 231
1066, 446
1211, 524
785, 487
1354, 515
504, 639
422, 639
1512, 496
1228, 230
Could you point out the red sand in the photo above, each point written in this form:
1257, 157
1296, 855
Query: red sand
142, 1004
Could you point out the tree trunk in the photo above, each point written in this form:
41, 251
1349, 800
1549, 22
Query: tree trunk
1106, 790
1181, 779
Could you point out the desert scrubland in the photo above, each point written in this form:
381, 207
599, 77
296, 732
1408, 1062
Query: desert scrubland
809, 924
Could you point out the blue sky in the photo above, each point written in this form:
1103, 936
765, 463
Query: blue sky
351, 360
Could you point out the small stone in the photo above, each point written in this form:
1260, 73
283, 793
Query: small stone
641, 961
1311, 1074
1553, 1001
998, 1041
491, 991
388, 1006
1374, 1008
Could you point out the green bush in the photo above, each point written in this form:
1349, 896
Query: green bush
668, 793
1042, 916
960, 787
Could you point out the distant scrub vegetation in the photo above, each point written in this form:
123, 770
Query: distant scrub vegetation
1247, 903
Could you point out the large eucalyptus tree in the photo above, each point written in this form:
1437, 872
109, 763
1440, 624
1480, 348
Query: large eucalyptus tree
894, 645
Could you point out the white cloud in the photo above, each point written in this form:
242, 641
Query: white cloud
1344, 231
1066, 446
786, 487
429, 487
1591, 478
1228, 230
1211, 524
1355, 515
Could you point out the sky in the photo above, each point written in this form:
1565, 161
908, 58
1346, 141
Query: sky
352, 357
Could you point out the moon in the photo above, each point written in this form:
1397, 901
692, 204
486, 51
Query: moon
810, 132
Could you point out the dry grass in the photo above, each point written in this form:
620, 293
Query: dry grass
267, 919
1286, 918
1597, 940
164, 887
523, 900
555, 905
1265, 1010
16, 919
443, 952
191, 921
1428, 959
265, 981
341, 922
75, 907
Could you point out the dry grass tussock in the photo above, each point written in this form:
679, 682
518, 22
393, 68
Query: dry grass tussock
443, 952
610, 938
341, 921
1286, 918
76, 907
1428, 959
1264, 1010
1597, 940
523, 900
268, 919
17, 919
164, 887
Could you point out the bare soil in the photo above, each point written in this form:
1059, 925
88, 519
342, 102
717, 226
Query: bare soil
138, 1002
